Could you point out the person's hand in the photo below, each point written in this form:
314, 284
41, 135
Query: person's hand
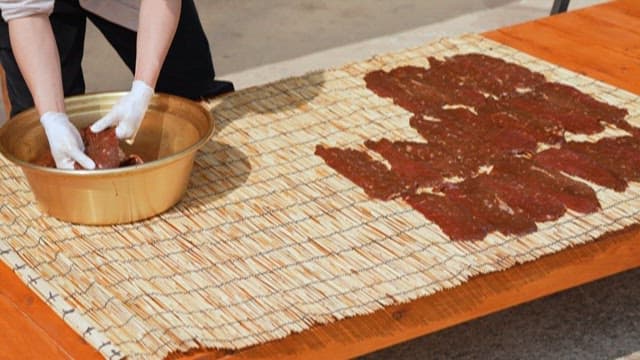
65, 141
127, 114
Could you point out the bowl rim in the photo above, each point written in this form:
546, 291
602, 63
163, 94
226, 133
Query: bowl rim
119, 170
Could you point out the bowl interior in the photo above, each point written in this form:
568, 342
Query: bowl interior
171, 126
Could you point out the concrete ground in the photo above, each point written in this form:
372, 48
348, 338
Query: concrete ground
257, 41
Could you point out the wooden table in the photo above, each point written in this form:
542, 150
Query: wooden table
602, 42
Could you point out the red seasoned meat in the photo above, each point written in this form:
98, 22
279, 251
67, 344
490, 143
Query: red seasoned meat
413, 169
565, 96
103, 148
537, 205
453, 218
574, 195
485, 204
474, 113
374, 177
575, 164
485, 73
620, 155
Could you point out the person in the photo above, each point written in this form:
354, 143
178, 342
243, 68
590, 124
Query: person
41, 48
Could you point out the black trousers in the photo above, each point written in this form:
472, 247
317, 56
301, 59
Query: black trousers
187, 71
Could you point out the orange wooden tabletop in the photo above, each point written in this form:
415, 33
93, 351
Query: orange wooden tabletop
602, 42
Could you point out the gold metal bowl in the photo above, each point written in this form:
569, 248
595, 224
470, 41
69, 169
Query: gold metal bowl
171, 133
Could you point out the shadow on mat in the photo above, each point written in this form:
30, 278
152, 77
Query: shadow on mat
283, 95
221, 167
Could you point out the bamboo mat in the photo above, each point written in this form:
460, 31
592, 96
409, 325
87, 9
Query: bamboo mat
269, 240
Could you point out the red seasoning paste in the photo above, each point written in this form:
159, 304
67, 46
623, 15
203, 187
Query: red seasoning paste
478, 169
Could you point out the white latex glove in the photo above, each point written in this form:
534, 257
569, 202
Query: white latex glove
65, 142
127, 114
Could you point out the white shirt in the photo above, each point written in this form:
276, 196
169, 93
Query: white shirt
121, 12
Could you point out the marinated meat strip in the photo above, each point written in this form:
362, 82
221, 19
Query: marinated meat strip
511, 142
565, 96
488, 136
535, 129
103, 148
449, 148
376, 180
400, 155
486, 74
575, 164
575, 120
470, 140
419, 83
452, 218
620, 155
534, 203
485, 204
574, 195
447, 128
545, 127
384, 85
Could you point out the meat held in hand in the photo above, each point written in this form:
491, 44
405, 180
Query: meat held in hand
103, 148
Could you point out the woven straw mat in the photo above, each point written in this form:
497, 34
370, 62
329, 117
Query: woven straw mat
268, 239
